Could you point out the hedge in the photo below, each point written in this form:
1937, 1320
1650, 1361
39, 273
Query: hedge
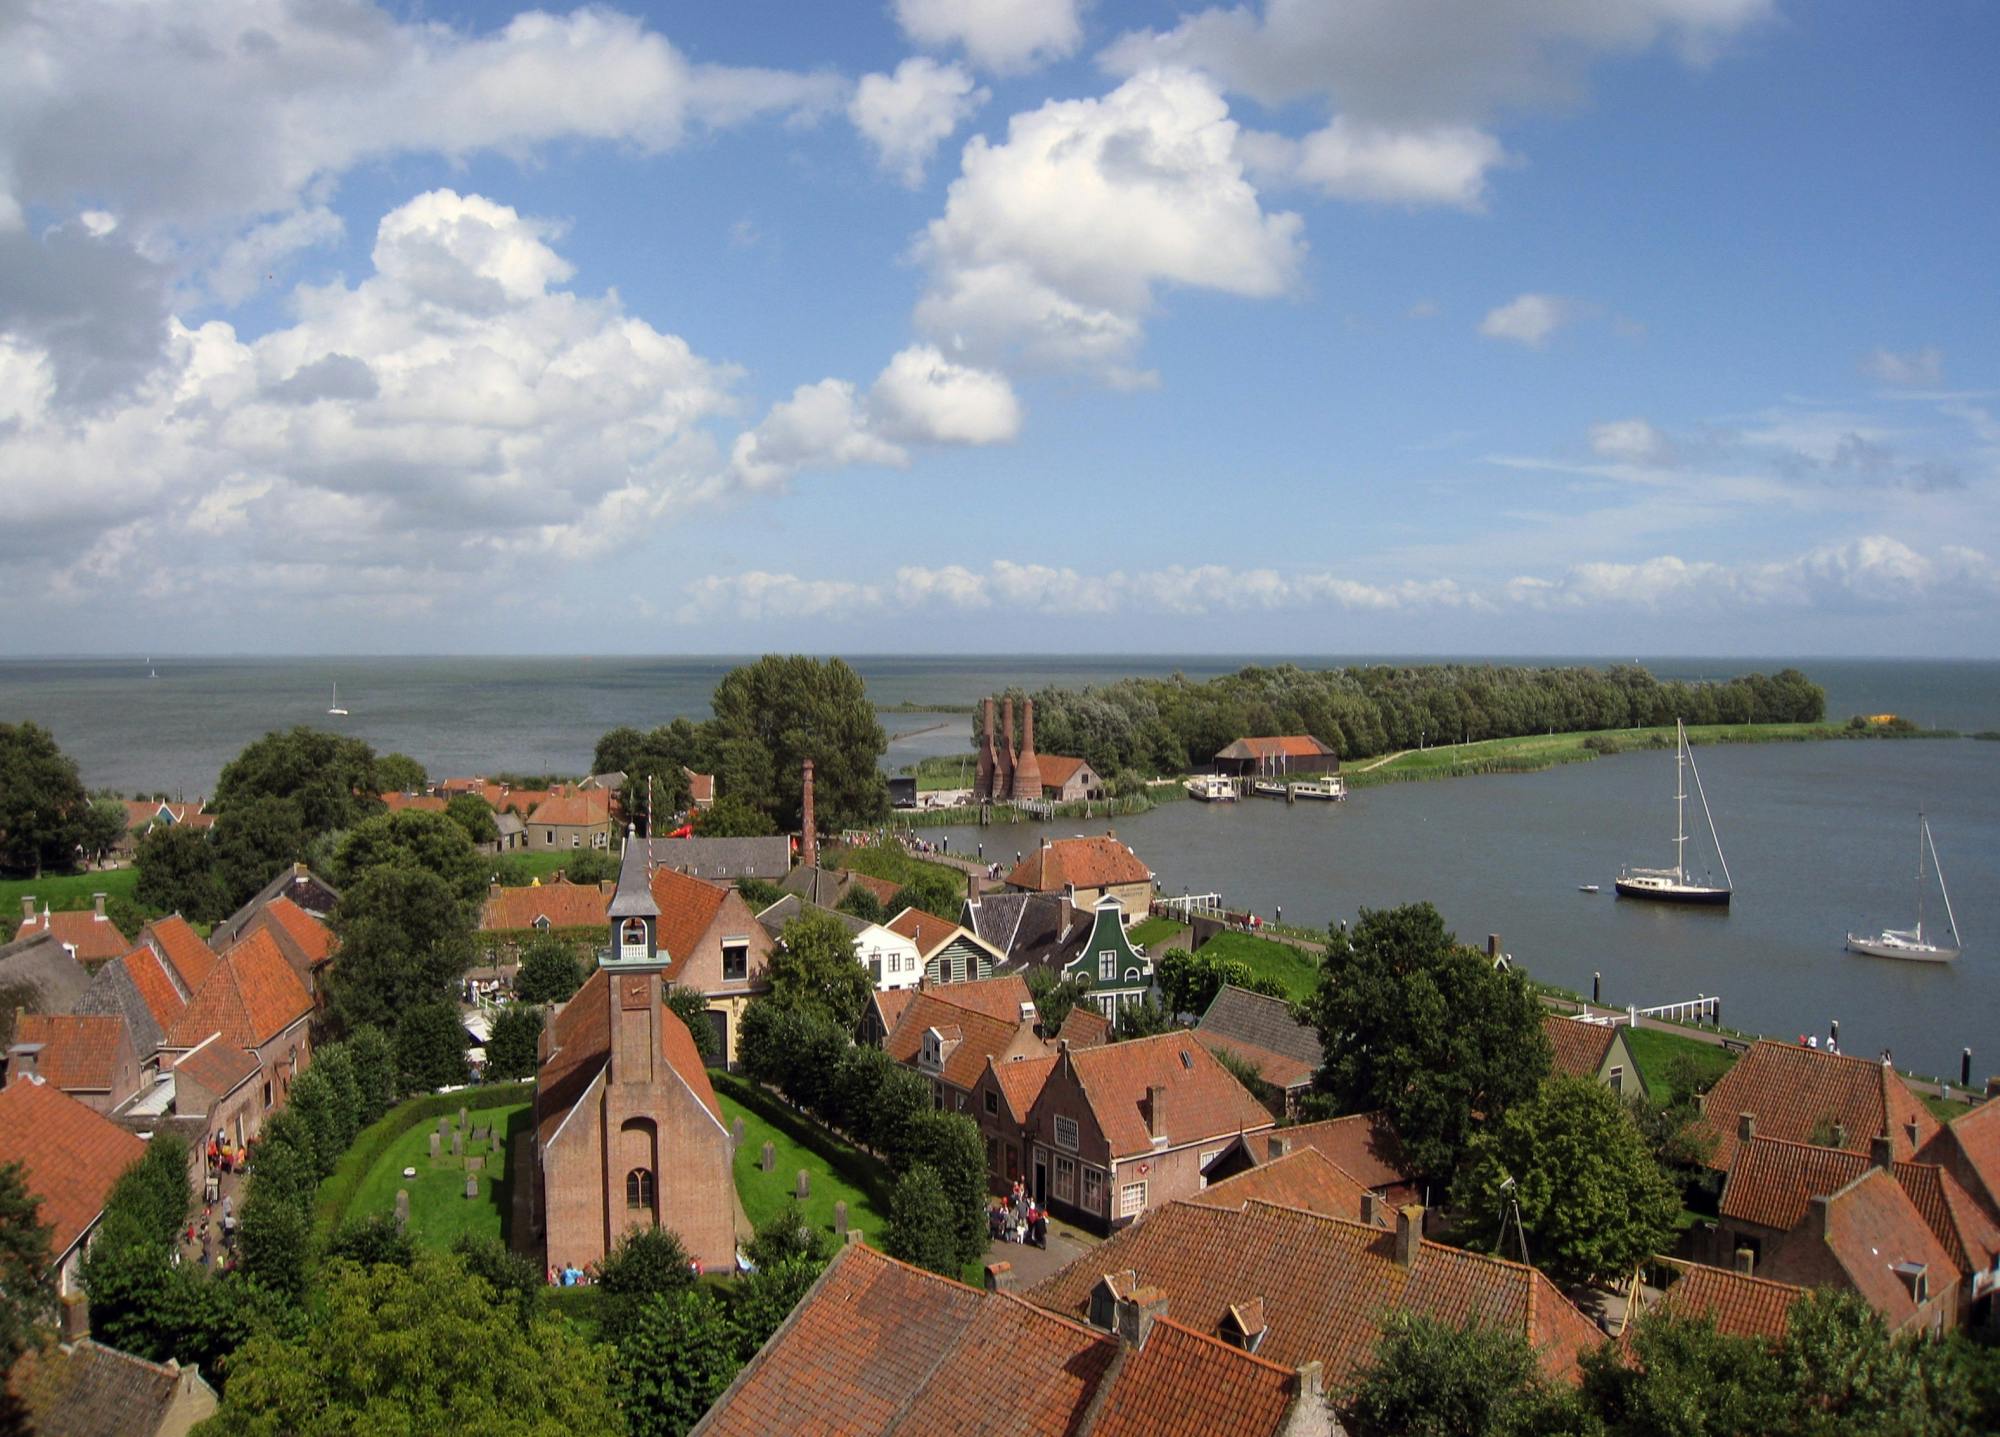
337, 1192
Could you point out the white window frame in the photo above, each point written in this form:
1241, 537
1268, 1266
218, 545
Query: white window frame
1065, 1178
1074, 1136
1126, 1206
1107, 966
1094, 1185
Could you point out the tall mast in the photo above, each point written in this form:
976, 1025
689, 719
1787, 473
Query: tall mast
1922, 828
1680, 802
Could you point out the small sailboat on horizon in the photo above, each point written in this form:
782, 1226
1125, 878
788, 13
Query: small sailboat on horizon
1673, 885
1909, 943
337, 709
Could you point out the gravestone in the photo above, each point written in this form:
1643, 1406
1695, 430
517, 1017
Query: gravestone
457, 1143
770, 1158
461, 1115
434, 1147
736, 1133
471, 1186
804, 1187
482, 1134
473, 1165
840, 1219
402, 1208
444, 1125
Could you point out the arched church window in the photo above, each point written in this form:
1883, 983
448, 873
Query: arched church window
639, 1189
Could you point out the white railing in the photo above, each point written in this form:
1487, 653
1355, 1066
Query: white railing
1702, 1009
1208, 905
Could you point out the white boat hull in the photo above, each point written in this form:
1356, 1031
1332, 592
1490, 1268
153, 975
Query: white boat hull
1883, 945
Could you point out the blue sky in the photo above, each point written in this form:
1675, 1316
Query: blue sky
1001, 325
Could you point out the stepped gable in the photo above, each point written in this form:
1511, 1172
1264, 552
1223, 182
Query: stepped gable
1740, 1306
1363, 1146
879, 1346
1079, 863
1579, 1047
1027, 767
581, 1046
1791, 1092
252, 996
1260, 1029
177, 942
1203, 1097
1305, 1179
78, 1051
563, 905
72, 1156
1326, 1284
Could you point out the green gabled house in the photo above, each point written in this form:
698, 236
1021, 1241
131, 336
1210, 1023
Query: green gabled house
1116, 973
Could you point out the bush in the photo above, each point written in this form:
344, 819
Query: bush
551, 970
920, 1225
371, 1240
516, 1040
647, 1263
430, 1048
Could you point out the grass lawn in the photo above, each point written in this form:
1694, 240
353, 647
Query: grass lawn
439, 1208
64, 891
888, 861
838, 1172
1152, 930
1295, 968
1653, 1048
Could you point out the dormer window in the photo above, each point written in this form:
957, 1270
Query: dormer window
542, 925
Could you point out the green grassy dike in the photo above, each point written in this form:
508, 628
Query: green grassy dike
1535, 752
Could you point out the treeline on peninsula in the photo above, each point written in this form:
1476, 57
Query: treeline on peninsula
1172, 725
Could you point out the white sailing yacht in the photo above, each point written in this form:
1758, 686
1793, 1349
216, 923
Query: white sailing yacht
337, 709
1674, 885
1909, 943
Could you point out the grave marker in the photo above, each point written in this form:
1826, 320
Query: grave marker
804, 1188
770, 1158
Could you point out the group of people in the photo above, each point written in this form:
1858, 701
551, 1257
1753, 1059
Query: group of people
1017, 1218
570, 1275
202, 1235
1812, 1041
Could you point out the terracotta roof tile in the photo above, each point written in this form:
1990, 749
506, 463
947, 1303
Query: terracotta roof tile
1970, 1144
1579, 1046
1773, 1182
1057, 769
1281, 746
94, 939
155, 982
1871, 1225
1304, 1179
573, 808
688, 909
1183, 1383
1363, 1146
980, 1035
1326, 1284
701, 786
1792, 1091
252, 996
219, 1065
313, 937
84, 1390
1955, 1218
889, 1005
72, 1156
995, 997
565, 905
1204, 1099
1261, 1030
1020, 1083
1079, 863
1740, 1306
422, 802
1085, 1027
926, 930
583, 1044
173, 939
79, 1052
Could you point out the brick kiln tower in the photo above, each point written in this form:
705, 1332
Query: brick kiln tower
1027, 770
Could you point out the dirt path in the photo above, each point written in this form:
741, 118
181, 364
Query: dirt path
1386, 758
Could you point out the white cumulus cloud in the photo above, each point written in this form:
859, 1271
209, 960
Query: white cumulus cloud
1528, 319
1633, 441
995, 34
908, 114
1917, 367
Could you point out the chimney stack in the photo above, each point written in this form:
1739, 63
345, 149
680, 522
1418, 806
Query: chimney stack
97, 899
999, 1277
1493, 947
1746, 1127
1156, 1113
1138, 1313
1371, 1209
1409, 1234
74, 1320
1027, 768
1746, 1262
23, 1059
1276, 1146
27, 908
1881, 1152
808, 832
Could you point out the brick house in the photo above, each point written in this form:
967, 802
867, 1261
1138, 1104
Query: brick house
90, 1057
81, 1387
1260, 1030
88, 934
570, 819
1968, 1147
879, 1346
252, 1001
950, 1034
1808, 1095
628, 1133
298, 885
704, 933
1086, 869
70, 1156
1119, 1130
223, 1085
1592, 1050
307, 943
1069, 780
511, 916
1738, 1305
1869, 1237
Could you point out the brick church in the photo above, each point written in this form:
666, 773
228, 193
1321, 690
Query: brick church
628, 1133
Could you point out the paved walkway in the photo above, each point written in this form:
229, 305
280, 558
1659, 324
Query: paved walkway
1036, 1264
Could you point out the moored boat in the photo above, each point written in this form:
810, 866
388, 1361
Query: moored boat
1676, 885
1211, 788
1910, 944
1332, 788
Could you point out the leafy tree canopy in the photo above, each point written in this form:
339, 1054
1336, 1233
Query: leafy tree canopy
24, 1256
931, 890
252, 843
399, 773
102, 827
814, 967
412, 838
646, 1263
42, 802
405, 940
860, 902
332, 778
473, 814
731, 817
587, 868
510, 1052
1429, 1379
430, 1047
796, 707
691, 1008
551, 970
1425, 1030
920, 1225
176, 867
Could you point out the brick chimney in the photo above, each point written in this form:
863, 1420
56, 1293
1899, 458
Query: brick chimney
1409, 1233
808, 833
1027, 768
1371, 1209
27, 908
1746, 1262
74, 1318
97, 899
1137, 1314
999, 1277
1156, 1112
24, 1060
1746, 1127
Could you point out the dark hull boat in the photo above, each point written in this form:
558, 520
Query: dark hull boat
1676, 884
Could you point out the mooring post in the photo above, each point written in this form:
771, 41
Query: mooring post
1596, 989
1965, 1068
1833, 1031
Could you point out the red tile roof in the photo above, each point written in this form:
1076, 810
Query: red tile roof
1326, 1284
172, 938
1579, 1046
79, 1052
1183, 1383
565, 905
1204, 1100
313, 937
1056, 769
251, 997
995, 997
1079, 863
574, 808
155, 982
1363, 1146
93, 939
1792, 1091
1961, 1226
926, 930
701, 786
424, 802
1085, 1027
688, 909
1020, 1083
1970, 1144
72, 1156
84, 1390
889, 1005
1304, 1179
218, 1066
884, 891
1740, 1306
1872, 1225
980, 1035
1282, 746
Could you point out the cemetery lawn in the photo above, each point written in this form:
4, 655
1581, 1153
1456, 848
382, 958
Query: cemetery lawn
439, 1208
838, 1172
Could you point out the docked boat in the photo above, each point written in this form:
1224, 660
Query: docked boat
1211, 788
1909, 943
1331, 789
1677, 884
1265, 788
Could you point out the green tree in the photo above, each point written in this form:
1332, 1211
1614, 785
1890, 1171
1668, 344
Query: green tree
675, 1357
931, 890
24, 1256
273, 1237
785, 1237
177, 873
814, 967
588, 868
765, 1298
691, 1007
950, 1146
429, 1348
252, 842
374, 1060
920, 1227
795, 708
1424, 1030
399, 773
372, 1239
430, 1048
413, 839
405, 940
473, 814
1846, 1373
1429, 1379
1055, 997
1593, 1202
331, 778
860, 902
1144, 1019
511, 1051
101, 828
42, 802
759, 893
648, 1262
655, 790
731, 817
509, 1274
551, 970
1682, 1378
312, 1098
